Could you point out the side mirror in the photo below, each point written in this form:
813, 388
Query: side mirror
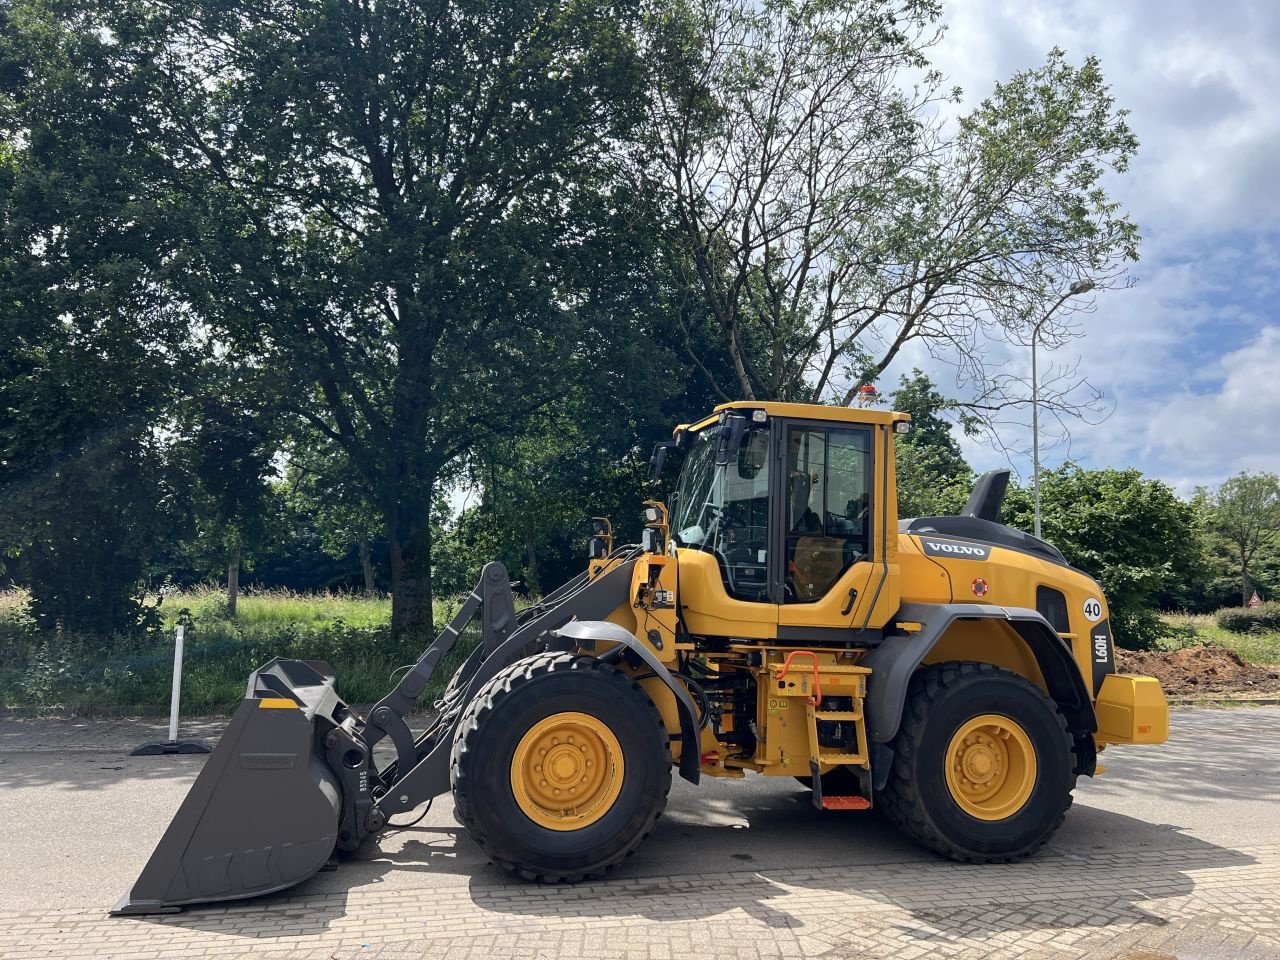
659, 458
735, 428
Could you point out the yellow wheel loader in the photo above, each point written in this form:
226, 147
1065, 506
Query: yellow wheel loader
778, 618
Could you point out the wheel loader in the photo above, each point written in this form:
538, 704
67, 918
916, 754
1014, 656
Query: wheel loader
777, 619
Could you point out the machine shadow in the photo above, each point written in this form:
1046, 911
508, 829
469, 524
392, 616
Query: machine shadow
756, 870
311, 907
1162, 858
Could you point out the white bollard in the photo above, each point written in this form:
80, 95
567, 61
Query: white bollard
177, 684
173, 744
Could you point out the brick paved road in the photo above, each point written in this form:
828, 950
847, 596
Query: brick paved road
1174, 853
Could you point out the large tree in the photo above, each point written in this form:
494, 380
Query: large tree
407, 211
1132, 533
933, 476
833, 218
1245, 513
231, 440
94, 338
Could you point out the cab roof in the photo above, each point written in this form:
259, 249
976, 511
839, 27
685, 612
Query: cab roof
802, 411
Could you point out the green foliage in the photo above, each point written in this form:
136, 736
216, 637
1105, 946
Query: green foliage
227, 445
128, 673
825, 240
1243, 519
88, 530
1134, 535
1191, 629
933, 477
402, 218
1263, 618
93, 344
322, 486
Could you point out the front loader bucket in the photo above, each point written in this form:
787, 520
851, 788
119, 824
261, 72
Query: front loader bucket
263, 814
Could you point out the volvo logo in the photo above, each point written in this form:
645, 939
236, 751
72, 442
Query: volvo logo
961, 551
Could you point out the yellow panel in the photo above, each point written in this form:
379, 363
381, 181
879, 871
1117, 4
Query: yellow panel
276, 703
987, 641
923, 580
1132, 709
816, 411
653, 576
826, 611
1009, 578
710, 611
784, 748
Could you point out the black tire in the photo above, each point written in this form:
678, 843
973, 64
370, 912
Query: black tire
942, 698
484, 746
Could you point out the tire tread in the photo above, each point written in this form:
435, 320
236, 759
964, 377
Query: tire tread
903, 799
489, 700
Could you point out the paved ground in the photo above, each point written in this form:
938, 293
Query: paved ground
1174, 853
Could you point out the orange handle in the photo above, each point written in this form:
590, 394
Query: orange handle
816, 699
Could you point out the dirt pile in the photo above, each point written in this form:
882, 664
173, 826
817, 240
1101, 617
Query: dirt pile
1195, 670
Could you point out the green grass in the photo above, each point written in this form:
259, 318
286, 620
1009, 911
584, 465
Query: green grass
1189, 629
80, 674
276, 607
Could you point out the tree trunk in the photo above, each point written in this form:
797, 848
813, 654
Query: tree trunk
409, 533
366, 566
531, 568
233, 581
1244, 583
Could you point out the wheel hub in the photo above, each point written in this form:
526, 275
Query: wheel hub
567, 771
991, 767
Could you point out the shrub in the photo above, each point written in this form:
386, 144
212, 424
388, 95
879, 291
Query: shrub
1264, 618
42, 671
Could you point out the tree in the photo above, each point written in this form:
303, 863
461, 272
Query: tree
322, 485
1245, 512
229, 451
93, 343
933, 477
587, 456
407, 210
1132, 534
831, 219
87, 531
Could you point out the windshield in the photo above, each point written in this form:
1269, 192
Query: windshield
696, 489
724, 509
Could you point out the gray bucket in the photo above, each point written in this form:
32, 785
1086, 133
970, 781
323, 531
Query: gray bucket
262, 816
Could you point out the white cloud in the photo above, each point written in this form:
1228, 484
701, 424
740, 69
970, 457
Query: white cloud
1202, 436
1190, 356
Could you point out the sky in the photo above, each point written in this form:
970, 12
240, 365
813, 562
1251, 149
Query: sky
1189, 357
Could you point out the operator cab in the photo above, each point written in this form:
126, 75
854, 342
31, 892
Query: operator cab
782, 495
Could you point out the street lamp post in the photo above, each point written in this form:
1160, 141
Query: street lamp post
1076, 289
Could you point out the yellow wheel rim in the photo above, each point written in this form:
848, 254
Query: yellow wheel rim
991, 767
567, 771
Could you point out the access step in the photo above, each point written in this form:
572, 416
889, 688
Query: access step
845, 803
837, 759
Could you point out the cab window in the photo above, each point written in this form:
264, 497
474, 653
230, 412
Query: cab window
828, 508
724, 509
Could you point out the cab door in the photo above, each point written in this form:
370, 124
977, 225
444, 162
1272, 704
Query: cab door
830, 523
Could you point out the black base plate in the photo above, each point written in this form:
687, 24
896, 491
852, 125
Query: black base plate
159, 747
